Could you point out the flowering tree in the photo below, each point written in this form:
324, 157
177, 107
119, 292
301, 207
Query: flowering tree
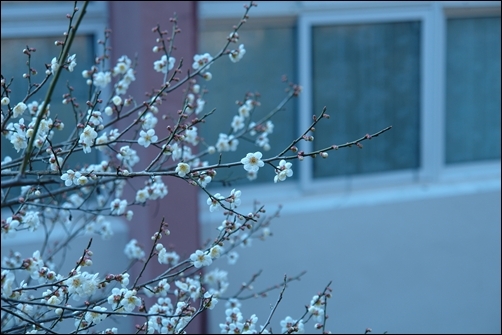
41, 189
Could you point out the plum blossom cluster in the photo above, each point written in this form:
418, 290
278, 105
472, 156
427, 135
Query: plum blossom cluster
20, 132
164, 64
48, 191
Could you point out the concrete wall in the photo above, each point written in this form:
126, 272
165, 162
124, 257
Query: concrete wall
409, 259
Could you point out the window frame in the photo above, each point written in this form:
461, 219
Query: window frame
432, 15
361, 15
19, 18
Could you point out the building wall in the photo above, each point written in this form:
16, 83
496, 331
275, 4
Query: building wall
131, 24
409, 250
422, 259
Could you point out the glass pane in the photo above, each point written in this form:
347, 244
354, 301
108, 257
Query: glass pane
269, 55
14, 65
472, 89
368, 76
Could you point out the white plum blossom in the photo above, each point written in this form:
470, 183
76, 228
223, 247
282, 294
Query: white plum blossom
117, 101
200, 61
166, 257
100, 142
82, 180
252, 175
204, 179
19, 141
118, 206
245, 110
108, 111
232, 257
288, 323
72, 60
6, 160
54, 298
234, 198
200, 258
149, 121
123, 64
130, 301
10, 227
214, 203
252, 162
210, 300
147, 137
96, 315
163, 65
215, 251
237, 123
94, 117
129, 77
268, 127
128, 156
54, 65
142, 195
82, 284
101, 79
8, 281
35, 108
122, 86
32, 220
200, 106
88, 135
236, 55
183, 169
227, 143
191, 135
19, 110
70, 177
263, 142
207, 76
283, 171
133, 250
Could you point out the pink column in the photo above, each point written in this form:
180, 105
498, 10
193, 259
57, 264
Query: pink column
131, 23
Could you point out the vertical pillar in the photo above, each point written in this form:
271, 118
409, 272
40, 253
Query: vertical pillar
131, 23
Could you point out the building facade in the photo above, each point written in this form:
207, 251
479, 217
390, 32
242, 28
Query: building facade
406, 229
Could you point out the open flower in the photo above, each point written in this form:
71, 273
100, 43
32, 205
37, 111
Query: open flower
283, 171
200, 259
147, 137
252, 162
183, 169
236, 55
214, 203
71, 177
163, 65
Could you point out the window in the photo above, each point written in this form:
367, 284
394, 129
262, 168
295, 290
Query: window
429, 69
38, 25
472, 89
368, 75
269, 55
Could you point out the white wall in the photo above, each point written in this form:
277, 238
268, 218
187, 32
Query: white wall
418, 259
